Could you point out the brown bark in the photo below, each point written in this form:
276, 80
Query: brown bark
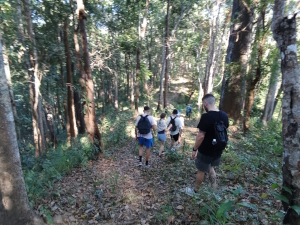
167, 56
90, 116
103, 95
284, 33
14, 204
71, 107
250, 95
34, 86
132, 89
116, 103
237, 55
138, 58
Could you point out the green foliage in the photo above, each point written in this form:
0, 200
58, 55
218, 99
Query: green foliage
49, 168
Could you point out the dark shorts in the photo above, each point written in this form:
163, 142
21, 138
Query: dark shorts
175, 137
203, 162
146, 142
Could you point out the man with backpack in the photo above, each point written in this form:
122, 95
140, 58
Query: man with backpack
175, 130
143, 134
210, 142
188, 111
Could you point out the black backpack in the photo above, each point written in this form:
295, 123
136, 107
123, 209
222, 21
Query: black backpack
172, 121
144, 125
220, 134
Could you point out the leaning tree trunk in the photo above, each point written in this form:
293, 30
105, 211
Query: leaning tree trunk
14, 204
237, 55
11, 93
161, 83
138, 57
167, 56
284, 33
87, 80
71, 107
34, 86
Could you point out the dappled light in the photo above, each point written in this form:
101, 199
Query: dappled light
149, 112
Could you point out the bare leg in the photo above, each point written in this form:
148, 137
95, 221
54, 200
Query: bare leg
141, 150
213, 178
172, 143
147, 154
162, 146
199, 180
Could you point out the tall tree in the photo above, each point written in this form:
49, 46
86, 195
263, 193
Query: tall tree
284, 33
138, 57
71, 106
237, 58
161, 77
14, 204
167, 55
34, 86
253, 80
87, 80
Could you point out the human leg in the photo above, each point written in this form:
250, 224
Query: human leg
161, 149
213, 178
199, 180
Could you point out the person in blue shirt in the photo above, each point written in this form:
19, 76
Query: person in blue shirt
188, 111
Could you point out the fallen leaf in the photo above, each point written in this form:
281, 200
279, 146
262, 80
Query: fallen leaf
264, 195
171, 219
179, 207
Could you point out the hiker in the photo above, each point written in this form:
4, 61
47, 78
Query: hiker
188, 111
143, 133
210, 142
161, 132
175, 130
182, 128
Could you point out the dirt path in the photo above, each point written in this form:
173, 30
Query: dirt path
114, 190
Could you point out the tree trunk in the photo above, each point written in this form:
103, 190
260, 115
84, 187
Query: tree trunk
237, 55
167, 55
163, 64
79, 112
11, 93
138, 57
71, 107
14, 204
116, 103
90, 116
270, 99
132, 89
128, 77
103, 95
277, 98
34, 86
209, 79
284, 33
250, 97
49, 116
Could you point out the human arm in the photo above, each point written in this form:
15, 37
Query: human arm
136, 132
198, 142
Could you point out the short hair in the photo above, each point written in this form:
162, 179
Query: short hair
146, 108
209, 98
163, 115
175, 112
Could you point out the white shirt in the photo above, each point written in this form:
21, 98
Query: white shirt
152, 122
178, 125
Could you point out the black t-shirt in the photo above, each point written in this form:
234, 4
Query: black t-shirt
206, 125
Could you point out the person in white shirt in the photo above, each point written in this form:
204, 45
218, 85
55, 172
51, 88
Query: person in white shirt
143, 134
161, 132
175, 130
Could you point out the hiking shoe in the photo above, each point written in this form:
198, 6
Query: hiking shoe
148, 166
179, 145
140, 164
190, 191
173, 149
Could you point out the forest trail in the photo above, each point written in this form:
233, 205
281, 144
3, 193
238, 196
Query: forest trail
114, 190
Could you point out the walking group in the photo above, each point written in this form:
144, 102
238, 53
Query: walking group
210, 141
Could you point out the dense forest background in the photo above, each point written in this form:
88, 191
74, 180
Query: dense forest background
78, 74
